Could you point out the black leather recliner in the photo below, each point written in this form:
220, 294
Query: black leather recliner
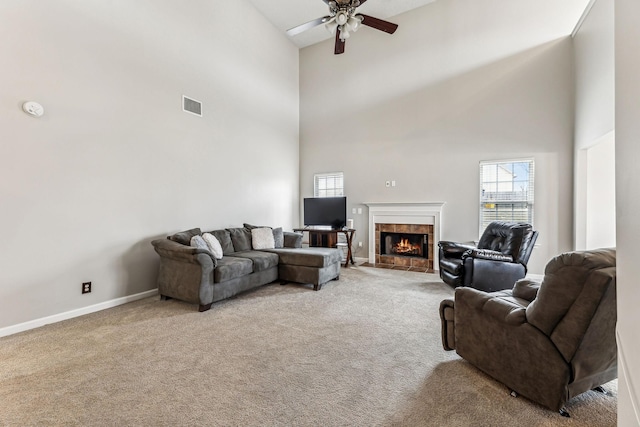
499, 260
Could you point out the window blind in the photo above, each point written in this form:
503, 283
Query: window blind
506, 191
328, 184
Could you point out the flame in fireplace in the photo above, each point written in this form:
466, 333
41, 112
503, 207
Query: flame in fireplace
404, 246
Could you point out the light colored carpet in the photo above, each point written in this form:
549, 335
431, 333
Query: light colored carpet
363, 351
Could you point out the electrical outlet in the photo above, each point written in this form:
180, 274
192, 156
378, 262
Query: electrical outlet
387, 184
86, 287
359, 244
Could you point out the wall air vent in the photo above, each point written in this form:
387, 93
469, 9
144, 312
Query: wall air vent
191, 106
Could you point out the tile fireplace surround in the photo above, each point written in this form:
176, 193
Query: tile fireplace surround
409, 213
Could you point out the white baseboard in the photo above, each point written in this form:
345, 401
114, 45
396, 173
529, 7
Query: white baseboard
32, 324
624, 370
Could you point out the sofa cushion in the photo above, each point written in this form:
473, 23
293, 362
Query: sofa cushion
308, 257
278, 238
292, 240
262, 260
231, 267
241, 238
262, 238
184, 237
224, 237
213, 244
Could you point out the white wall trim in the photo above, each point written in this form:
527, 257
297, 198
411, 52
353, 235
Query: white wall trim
582, 18
607, 136
627, 378
32, 324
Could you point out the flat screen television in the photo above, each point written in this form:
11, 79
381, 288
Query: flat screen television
325, 211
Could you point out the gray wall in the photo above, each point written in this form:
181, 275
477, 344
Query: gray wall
114, 162
460, 81
627, 42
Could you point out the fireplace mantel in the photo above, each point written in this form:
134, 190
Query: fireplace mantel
405, 213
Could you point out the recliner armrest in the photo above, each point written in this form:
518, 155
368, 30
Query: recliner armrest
501, 309
526, 289
453, 249
487, 254
447, 319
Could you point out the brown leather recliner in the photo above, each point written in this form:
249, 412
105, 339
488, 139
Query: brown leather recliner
499, 260
547, 341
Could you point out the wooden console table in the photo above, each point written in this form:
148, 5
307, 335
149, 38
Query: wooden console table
329, 239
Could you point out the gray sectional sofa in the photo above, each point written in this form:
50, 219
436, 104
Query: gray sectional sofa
194, 274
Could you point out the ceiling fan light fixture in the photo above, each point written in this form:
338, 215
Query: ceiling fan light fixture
342, 17
331, 26
354, 22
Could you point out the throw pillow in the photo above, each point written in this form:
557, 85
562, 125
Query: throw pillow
224, 237
262, 238
278, 237
213, 244
184, 237
250, 226
198, 242
241, 238
292, 240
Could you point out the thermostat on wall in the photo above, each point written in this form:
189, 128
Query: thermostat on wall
33, 108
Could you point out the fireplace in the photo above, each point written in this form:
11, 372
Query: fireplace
404, 244
418, 222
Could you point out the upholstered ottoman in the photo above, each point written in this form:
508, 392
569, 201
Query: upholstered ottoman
308, 265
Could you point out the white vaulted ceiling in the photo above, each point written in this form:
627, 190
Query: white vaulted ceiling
286, 14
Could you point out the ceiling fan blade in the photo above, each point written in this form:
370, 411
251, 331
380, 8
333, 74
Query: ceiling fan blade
379, 24
339, 44
308, 25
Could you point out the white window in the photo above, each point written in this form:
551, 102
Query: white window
506, 191
328, 184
